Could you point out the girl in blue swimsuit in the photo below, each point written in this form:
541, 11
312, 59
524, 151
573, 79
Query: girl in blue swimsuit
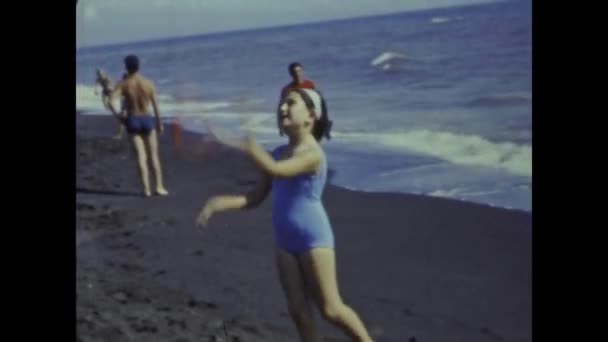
296, 174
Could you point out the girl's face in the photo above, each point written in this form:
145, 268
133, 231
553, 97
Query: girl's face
294, 113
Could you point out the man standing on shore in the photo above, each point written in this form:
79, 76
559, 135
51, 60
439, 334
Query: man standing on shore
296, 71
138, 94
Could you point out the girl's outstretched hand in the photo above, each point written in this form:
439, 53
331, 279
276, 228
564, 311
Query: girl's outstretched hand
241, 143
206, 212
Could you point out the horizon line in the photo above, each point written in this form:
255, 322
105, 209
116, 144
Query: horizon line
261, 28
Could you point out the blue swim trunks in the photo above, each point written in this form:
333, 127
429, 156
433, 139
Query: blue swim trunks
299, 219
139, 124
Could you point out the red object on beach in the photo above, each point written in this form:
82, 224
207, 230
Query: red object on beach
306, 84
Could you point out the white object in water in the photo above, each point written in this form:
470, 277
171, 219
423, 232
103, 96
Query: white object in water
387, 57
439, 20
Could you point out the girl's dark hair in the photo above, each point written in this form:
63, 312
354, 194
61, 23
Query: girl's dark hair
322, 126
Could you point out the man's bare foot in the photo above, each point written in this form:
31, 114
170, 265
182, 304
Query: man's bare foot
162, 192
147, 193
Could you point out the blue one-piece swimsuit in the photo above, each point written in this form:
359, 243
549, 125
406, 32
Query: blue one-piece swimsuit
298, 216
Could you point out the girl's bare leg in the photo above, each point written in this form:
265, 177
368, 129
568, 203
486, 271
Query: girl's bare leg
298, 301
319, 266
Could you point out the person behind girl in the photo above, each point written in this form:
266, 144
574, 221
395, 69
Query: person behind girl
103, 80
296, 71
296, 173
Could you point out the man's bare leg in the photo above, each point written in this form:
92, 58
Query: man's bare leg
140, 149
152, 144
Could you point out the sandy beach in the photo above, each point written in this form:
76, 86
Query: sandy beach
416, 268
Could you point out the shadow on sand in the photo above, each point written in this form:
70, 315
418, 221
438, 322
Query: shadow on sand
107, 192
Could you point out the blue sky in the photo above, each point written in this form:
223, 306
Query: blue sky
115, 21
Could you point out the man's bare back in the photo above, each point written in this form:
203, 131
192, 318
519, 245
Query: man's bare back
139, 94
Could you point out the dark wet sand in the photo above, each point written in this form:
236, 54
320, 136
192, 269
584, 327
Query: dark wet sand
412, 266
